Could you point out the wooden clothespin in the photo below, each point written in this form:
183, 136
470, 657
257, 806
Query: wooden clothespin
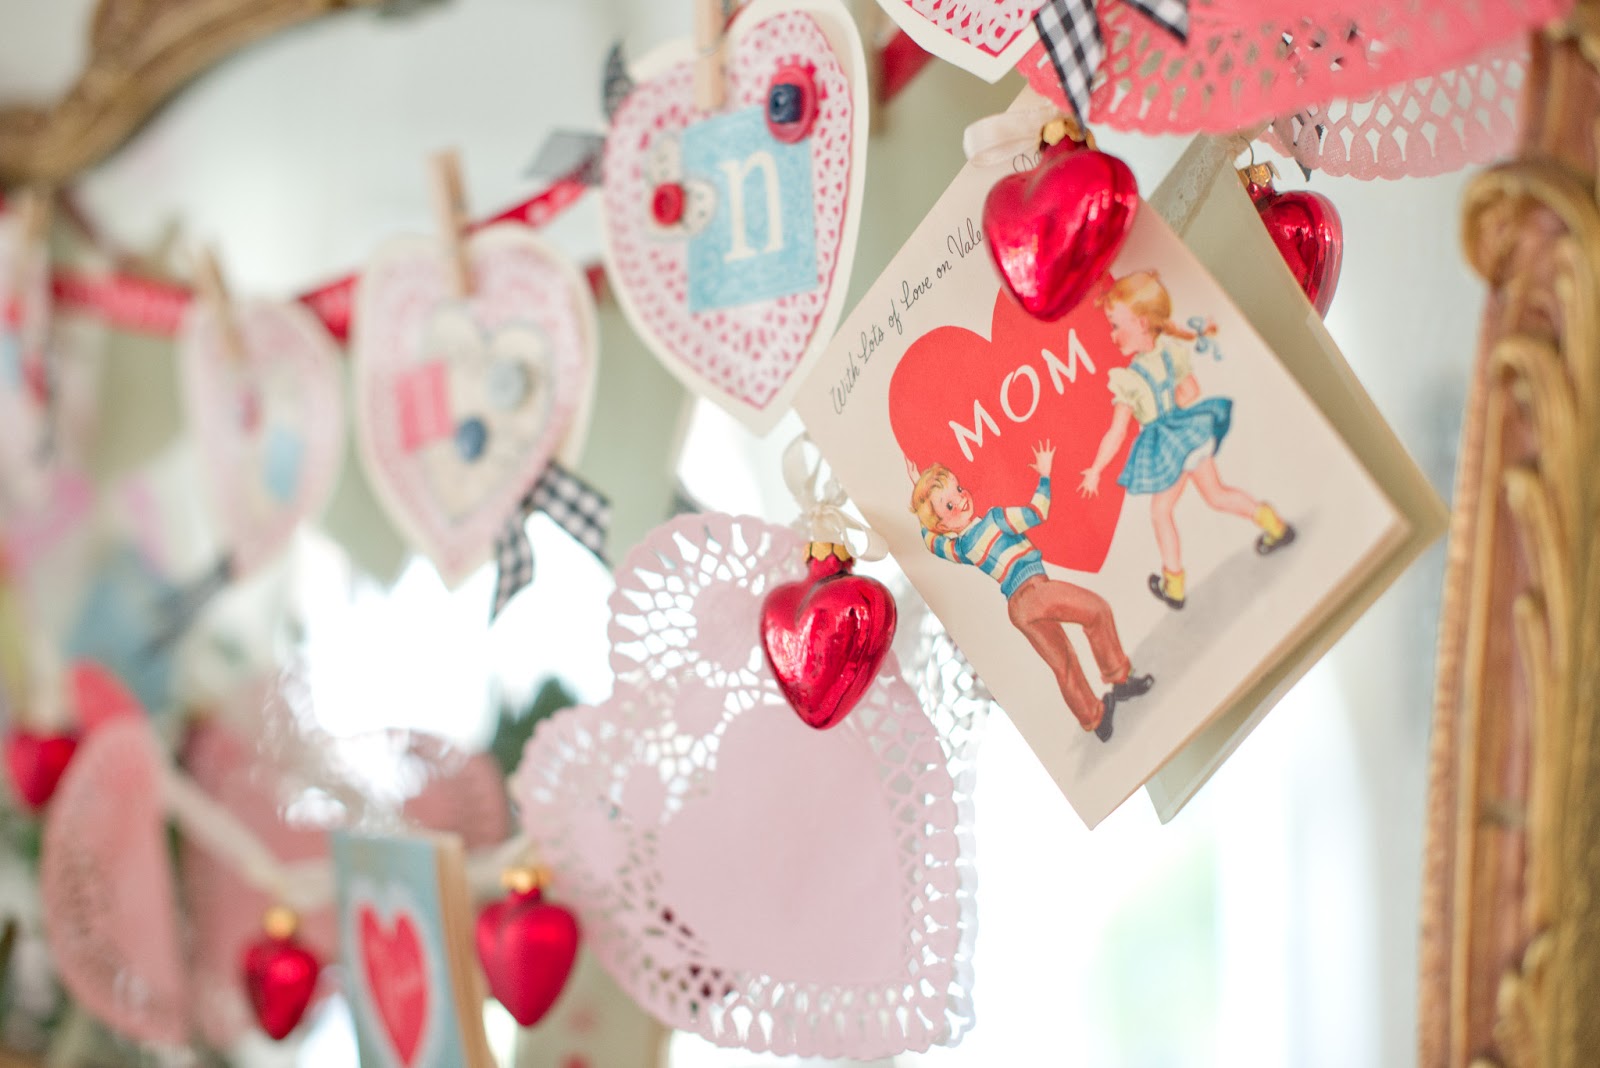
710, 79
211, 289
450, 206
33, 208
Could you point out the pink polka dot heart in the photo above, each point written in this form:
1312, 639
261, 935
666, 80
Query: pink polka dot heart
985, 37
748, 356
461, 404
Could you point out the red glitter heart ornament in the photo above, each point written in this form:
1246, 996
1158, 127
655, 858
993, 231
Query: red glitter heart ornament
826, 635
527, 947
1309, 234
280, 975
1054, 230
37, 762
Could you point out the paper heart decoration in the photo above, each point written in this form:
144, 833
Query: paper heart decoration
979, 406
729, 864
462, 404
106, 881
394, 967
825, 637
747, 352
985, 37
269, 422
527, 947
25, 373
37, 762
1310, 236
1054, 230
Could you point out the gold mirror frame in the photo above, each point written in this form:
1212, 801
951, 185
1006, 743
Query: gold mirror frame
1511, 908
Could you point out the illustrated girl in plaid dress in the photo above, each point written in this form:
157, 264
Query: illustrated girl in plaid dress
996, 542
1179, 433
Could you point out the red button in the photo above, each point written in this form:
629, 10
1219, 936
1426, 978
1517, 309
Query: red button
667, 204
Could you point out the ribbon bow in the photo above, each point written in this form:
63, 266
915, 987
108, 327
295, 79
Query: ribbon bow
1070, 30
1203, 342
822, 514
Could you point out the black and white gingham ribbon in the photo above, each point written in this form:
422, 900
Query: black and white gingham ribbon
1070, 30
575, 506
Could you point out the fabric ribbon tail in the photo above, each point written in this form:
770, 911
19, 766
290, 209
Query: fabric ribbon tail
573, 505
183, 607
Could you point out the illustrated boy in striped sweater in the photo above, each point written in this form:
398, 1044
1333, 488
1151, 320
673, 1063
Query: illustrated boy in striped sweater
997, 543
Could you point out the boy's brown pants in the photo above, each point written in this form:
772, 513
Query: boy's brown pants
1039, 608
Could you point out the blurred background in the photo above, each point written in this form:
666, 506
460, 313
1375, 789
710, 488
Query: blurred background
1274, 922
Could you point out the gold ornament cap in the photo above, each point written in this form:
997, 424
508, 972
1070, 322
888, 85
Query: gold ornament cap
821, 550
280, 922
1257, 174
524, 880
1063, 128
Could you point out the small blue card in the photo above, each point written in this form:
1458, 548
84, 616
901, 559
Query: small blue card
399, 939
280, 461
761, 242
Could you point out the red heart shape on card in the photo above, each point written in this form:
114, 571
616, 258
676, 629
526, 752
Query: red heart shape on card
979, 406
280, 975
825, 637
396, 971
37, 762
1310, 237
527, 947
1054, 230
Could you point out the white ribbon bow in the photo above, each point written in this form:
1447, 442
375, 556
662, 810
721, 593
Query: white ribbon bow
822, 514
998, 139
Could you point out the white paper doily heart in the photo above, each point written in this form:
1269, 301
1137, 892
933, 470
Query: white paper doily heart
739, 874
462, 404
749, 357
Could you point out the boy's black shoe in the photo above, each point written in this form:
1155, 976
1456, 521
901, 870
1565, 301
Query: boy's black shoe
1132, 686
1159, 588
1108, 704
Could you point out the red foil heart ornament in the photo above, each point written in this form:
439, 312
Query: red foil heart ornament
280, 975
1307, 230
36, 763
1055, 230
826, 635
527, 947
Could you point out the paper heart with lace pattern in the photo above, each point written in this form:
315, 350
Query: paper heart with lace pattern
984, 37
461, 403
269, 422
739, 874
729, 235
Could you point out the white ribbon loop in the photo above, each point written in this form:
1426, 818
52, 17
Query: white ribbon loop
822, 501
999, 139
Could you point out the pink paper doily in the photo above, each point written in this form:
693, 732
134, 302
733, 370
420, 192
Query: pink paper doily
1248, 61
106, 880
739, 874
1462, 117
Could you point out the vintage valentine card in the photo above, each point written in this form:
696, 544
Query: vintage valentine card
730, 232
405, 937
1124, 517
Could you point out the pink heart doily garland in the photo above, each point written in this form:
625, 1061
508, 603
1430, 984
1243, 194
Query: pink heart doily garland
1461, 117
751, 356
1247, 61
106, 880
985, 37
462, 404
739, 874
269, 422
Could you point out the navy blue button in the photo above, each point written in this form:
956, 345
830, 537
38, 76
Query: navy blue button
471, 437
785, 104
